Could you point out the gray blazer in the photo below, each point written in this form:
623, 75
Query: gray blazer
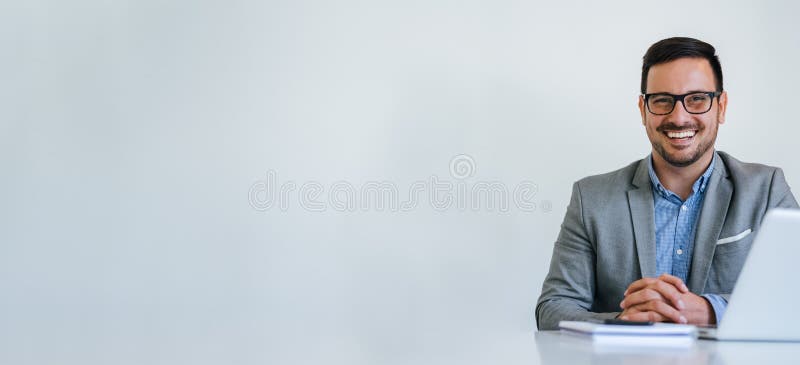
607, 240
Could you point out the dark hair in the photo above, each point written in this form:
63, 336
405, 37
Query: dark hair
674, 48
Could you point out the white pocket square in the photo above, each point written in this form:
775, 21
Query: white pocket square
735, 238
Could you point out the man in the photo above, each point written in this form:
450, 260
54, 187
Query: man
663, 239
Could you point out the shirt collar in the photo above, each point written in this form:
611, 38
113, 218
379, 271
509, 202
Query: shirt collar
698, 186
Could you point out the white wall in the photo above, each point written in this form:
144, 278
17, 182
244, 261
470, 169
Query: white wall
132, 132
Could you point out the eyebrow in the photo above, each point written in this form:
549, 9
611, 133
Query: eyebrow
688, 92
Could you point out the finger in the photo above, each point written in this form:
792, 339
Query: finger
675, 281
641, 297
639, 285
665, 310
643, 317
644, 282
669, 292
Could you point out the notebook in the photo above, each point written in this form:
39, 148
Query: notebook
654, 335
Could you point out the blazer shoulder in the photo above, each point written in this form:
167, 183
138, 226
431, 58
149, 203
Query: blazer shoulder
749, 173
610, 182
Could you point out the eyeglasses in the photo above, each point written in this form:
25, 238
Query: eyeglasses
694, 102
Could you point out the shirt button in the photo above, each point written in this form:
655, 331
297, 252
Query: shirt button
683, 207
679, 252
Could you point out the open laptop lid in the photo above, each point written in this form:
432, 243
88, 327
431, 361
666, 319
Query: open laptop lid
762, 305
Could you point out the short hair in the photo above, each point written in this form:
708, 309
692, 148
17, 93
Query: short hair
671, 49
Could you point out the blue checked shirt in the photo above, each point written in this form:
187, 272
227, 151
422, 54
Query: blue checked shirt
676, 221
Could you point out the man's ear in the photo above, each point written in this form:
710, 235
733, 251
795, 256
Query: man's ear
641, 107
722, 106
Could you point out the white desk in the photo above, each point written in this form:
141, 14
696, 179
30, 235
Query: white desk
555, 348
397, 346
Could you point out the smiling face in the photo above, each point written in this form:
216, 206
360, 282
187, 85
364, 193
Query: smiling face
681, 138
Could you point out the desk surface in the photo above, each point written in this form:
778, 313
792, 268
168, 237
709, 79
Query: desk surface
253, 346
555, 348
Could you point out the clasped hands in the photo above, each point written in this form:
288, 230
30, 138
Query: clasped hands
664, 299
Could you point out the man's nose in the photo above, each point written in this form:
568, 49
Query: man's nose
679, 115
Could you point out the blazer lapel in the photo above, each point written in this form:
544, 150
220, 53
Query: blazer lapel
709, 225
640, 201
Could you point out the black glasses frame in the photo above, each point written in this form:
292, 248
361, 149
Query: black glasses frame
681, 98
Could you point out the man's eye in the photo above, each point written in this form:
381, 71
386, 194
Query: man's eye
662, 100
698, 98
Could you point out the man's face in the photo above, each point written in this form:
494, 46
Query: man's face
678, 77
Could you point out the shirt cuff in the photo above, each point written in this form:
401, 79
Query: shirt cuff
718, 303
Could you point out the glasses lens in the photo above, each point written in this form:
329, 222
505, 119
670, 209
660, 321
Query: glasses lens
660, 104
697, 103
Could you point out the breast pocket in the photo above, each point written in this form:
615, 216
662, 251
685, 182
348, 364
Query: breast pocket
726, 265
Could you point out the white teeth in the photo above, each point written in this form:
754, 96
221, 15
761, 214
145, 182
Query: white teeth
684, 134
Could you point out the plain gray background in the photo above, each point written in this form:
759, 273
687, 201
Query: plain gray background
131, 133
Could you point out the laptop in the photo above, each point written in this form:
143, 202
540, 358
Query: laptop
763, 304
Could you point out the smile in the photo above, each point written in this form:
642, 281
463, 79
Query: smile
681, 134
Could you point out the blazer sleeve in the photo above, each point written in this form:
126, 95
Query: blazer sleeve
568, 290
